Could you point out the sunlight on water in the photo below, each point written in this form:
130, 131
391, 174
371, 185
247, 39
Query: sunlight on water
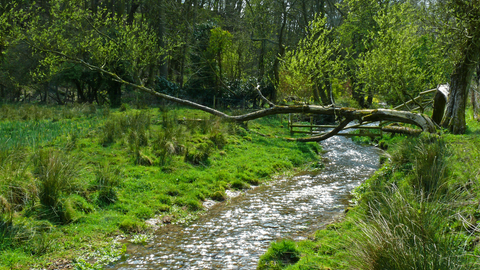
234, 235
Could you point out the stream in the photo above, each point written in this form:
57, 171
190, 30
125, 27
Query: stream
234, 235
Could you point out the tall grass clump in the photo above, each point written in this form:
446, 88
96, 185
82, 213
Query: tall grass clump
122, 125
107, 180
6, 221
402, 232
427, 156
56, 177
430, 166
170, 140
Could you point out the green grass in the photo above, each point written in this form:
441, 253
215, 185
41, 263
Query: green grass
419, 211
74, 178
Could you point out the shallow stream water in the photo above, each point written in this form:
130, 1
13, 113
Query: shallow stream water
234, 235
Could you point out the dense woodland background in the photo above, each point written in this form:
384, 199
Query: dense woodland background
350, 52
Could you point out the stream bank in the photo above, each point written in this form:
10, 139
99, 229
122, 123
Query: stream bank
233, 235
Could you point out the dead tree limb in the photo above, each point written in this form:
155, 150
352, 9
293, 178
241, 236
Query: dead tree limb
263, 97
350, 114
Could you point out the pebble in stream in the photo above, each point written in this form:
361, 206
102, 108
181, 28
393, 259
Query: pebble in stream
235, 235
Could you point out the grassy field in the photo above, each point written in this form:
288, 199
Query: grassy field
419, 211
74, 179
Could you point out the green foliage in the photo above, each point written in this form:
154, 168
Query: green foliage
311, 63
108, 40
198, 155
279, 255
134, 126
132, 225
403, 60
219, 195
239, 184
103, 256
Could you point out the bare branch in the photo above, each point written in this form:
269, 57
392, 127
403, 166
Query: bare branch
263, 97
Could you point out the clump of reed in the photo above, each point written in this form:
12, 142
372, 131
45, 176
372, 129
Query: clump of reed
120, 126
107, 180
406, 231
170, 140
406, 223
195, 139
56, 176
17, 184
427, 156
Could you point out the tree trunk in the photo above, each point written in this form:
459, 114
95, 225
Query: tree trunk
439, 102
475, 98
454, 119
281, 53
357, 94
115, 93
131, 13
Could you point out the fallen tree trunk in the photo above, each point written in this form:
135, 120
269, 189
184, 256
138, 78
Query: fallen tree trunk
347, 114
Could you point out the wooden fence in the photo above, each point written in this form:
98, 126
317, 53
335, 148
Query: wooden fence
422, 101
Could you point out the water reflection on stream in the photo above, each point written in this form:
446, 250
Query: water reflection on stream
234, 235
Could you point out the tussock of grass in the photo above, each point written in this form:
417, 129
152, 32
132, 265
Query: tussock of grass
280, 254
